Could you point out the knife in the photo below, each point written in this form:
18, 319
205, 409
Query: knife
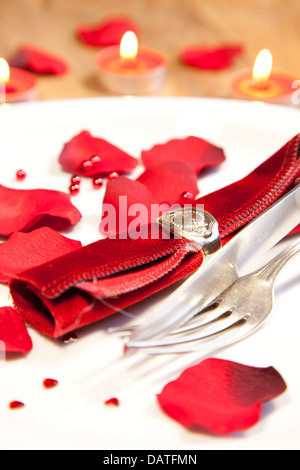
220, 270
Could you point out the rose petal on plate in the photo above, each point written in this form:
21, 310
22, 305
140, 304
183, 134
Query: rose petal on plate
220, 396
23, 251
101, 156
125, 202
171, 182
39, 61
21, 209
197, 152
14, 336
108, 32
210, 58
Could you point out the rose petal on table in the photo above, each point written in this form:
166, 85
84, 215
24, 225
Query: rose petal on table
108, 32
125, 200
21, 209
197, 152
170, 182
220, 396
23, 251
210, 58
14, 336
39, 61
84, 146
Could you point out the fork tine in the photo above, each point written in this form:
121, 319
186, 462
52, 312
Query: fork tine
220, 339
202, 318
211, 328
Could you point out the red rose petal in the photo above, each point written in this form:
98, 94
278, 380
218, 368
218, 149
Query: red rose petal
210, 58
14, 336
83, 147
21, 209
108, 32
23, 251
169, 181
195, 151
39, 61
112, 402
122, 198
220, 396
127, 202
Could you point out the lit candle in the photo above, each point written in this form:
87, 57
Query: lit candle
130, 68
129, 47
4, 78
16, 84
262, 70
262, 83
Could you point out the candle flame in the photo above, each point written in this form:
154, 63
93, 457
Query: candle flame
262, 68
4, 71
129, 46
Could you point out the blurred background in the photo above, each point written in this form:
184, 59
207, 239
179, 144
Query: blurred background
166, 25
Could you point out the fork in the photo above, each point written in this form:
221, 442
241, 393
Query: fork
232, 316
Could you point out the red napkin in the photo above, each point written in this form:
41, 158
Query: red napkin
38, 61
108, 32
57, 300
210, 58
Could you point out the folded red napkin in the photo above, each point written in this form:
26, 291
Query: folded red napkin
65, 294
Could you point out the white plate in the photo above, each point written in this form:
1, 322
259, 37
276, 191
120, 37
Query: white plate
93, 369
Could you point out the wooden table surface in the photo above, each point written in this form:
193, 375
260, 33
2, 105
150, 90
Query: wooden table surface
167, 25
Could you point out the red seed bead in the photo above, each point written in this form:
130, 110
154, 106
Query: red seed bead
75, 179
50, 383
74, 189
113, 175
20, 175
16, 404
187, 196
96, 160
97, 183
86, 166
112, 402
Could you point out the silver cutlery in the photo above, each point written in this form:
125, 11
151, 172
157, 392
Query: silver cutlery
220, 270
232, 316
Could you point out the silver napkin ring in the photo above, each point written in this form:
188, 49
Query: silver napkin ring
195, 224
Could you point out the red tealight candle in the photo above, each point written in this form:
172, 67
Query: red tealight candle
131, 69
261, 83
16, 84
